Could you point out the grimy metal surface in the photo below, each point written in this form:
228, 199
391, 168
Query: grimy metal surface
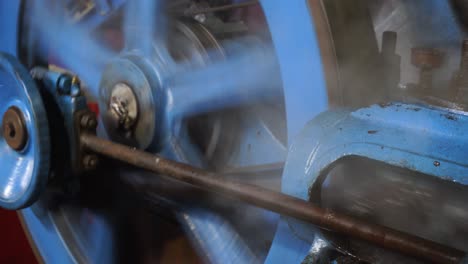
277, 202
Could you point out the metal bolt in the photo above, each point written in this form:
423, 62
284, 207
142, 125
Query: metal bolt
123, 107
64, 84
88, 121
90, 162
69, 85
14, 129
200, 18
75, 88
426, 59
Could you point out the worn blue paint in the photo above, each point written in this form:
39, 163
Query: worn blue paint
416, 137
420, 138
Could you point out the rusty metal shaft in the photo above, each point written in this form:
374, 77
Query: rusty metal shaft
277, 202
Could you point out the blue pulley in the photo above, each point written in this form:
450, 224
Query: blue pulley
24, 138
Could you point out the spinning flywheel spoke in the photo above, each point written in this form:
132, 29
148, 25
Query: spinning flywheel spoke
218, 88
141, 18
83, 54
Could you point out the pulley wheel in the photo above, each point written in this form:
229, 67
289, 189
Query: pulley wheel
24, 137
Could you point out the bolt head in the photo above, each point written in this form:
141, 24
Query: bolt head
92, 123
123, 108
64, 84
90, 162
88, 121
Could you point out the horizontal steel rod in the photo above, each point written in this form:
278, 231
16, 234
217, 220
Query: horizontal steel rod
277, 202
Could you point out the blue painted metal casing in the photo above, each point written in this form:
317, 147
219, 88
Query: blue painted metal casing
419, 138
57, 92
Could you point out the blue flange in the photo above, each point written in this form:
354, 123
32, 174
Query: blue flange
24, 171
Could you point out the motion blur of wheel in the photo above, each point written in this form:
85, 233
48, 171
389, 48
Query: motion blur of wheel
224, 85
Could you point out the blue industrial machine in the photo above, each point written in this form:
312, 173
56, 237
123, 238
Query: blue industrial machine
349, 115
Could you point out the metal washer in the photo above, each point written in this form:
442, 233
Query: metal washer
131, 71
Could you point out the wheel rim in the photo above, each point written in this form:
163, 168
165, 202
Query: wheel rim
302, 105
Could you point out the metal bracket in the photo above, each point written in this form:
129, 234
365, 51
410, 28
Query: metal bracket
68, 116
